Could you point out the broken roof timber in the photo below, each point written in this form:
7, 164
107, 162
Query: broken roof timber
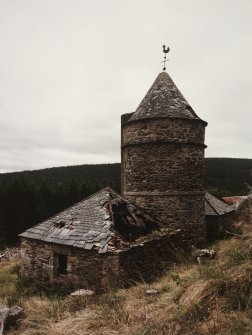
90, 224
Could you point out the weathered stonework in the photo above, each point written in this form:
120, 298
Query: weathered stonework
151, 260
184, 211
88, 269
162, 153
87, 244
216, 226
219, 217
162, 171
161, 129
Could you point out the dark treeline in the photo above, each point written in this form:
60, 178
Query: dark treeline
29, 197
228, 176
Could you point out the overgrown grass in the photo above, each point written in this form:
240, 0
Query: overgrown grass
237, 257
8, 279
213, 298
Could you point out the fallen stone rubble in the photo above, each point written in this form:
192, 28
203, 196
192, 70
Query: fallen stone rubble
9, 316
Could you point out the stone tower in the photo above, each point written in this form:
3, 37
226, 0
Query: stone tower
162, 150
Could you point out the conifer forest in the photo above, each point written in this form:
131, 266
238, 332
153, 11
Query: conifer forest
29, 197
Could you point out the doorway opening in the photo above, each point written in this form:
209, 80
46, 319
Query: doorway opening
62, 264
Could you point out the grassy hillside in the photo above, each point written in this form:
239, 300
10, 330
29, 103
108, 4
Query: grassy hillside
29, 197
212, 298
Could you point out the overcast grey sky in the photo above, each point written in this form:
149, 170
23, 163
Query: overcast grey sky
70, 68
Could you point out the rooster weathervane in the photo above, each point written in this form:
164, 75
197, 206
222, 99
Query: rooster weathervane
165, 51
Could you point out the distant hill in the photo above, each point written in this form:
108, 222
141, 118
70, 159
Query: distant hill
89, 174
29, 197
228, 176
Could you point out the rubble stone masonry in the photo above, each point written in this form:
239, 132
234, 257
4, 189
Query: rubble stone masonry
86, 268
162, 171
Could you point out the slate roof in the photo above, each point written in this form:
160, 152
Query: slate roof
164, 100
94, 223
90, 223
214, 206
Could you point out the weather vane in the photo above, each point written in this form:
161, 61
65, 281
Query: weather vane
165, 51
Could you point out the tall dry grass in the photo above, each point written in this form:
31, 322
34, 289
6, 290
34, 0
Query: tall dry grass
213, 298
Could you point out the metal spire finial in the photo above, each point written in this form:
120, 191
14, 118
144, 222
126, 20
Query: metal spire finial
165, 51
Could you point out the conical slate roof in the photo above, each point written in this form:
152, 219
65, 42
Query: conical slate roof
164, 100
214, 206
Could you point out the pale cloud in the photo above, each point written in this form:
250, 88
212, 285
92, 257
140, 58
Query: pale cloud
69, 69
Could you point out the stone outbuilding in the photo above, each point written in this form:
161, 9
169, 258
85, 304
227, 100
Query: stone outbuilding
219, 217
104, 238
112, 238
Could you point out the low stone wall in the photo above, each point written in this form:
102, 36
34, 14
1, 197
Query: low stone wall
150, 261
87, 269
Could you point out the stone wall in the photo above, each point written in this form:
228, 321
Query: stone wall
162, 167
85, 268
151, 260
88, 269
186, 212
173, 129
217, 225
163, 171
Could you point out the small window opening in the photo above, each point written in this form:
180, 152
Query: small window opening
62, 264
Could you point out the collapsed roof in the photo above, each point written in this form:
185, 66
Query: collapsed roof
104, 221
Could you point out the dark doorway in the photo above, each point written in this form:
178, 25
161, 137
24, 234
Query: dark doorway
62, 264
